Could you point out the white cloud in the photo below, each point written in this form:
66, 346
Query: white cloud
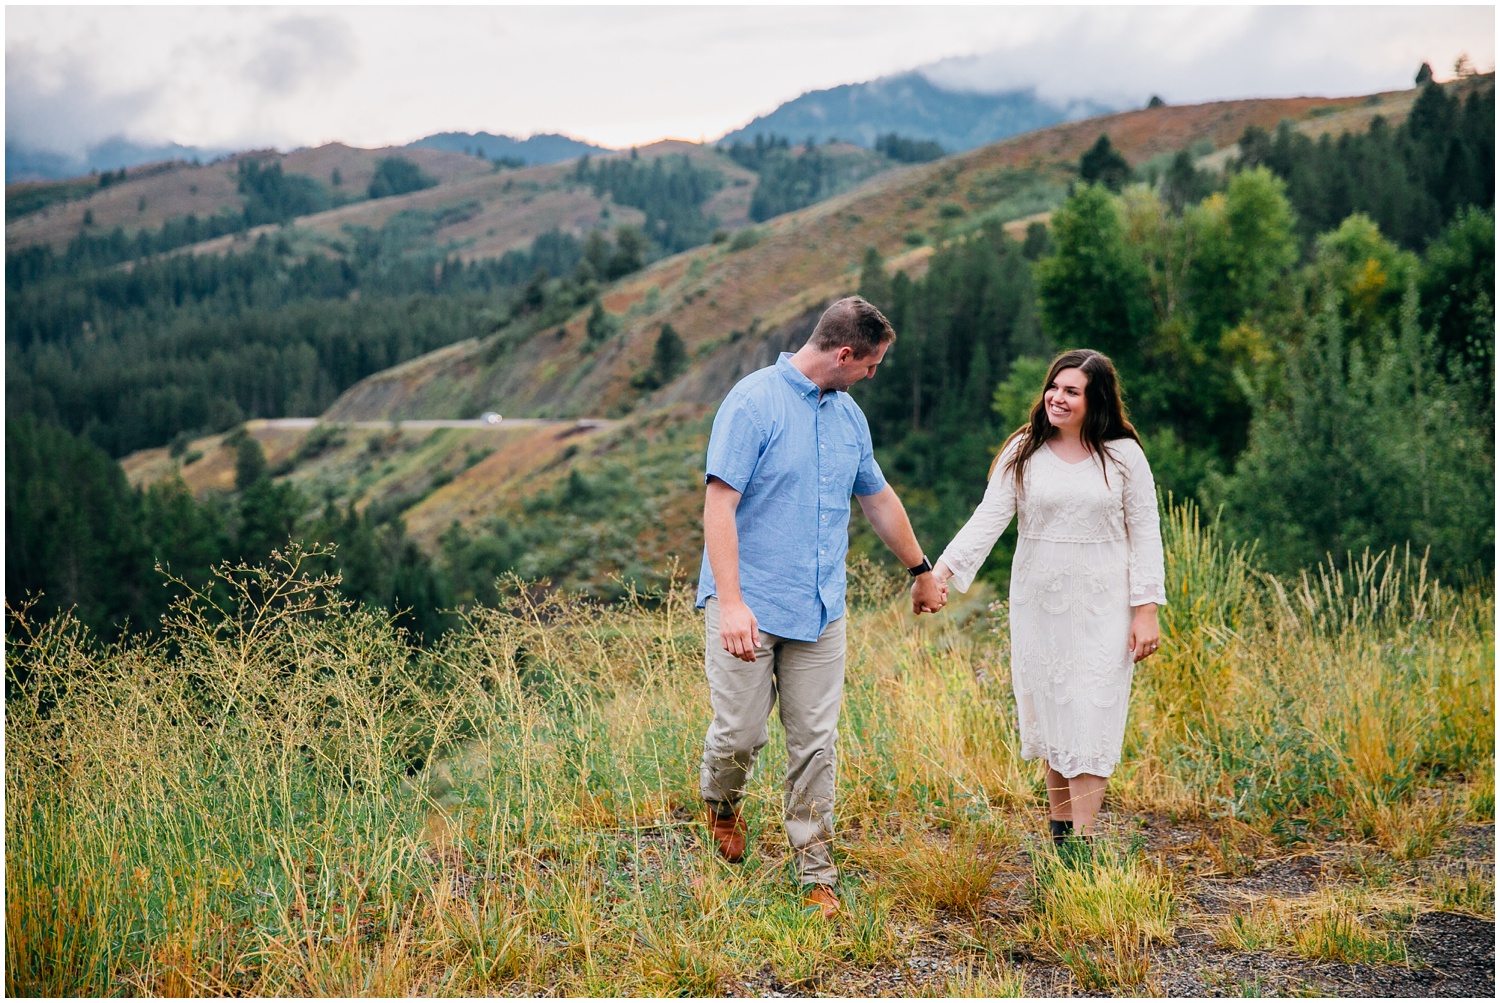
1192, 54
296, 53
57, 104
247, 76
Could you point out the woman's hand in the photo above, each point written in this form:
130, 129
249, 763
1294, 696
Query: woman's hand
941, 572
929, 593
1145, 633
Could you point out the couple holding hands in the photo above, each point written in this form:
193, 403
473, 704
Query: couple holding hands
789, 448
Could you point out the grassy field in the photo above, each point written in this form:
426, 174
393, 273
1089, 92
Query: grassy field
282, 796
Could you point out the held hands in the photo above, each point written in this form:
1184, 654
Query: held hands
929, 591
1145, 634
738, 630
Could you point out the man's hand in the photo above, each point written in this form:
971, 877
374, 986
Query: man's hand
888, 518
928, 595
738, 630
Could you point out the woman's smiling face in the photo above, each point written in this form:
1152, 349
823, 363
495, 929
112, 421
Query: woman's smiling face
1065, 402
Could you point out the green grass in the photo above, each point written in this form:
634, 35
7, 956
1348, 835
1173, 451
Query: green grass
284, 795
1099, 909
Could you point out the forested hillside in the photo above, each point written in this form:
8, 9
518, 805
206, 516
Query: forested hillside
912, 105
1325, 389
1303, 337
276, 306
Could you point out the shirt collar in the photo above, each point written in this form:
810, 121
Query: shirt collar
799, 381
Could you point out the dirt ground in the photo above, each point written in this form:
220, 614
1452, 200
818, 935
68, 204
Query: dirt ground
1449, 954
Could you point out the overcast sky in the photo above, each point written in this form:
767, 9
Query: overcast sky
239, 77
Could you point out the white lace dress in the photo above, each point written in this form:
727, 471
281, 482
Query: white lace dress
1089, 550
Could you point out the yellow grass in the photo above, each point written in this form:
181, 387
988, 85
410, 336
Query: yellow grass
282, 796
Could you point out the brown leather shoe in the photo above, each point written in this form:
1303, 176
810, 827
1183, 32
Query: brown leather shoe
821, 897
728, 834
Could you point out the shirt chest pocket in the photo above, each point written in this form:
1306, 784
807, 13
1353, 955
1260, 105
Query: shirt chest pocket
839, 464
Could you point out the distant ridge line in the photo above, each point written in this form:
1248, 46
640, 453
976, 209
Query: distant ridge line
912, 106
542, 148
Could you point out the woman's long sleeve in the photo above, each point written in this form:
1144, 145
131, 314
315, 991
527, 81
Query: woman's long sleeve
1148, 579
973, 544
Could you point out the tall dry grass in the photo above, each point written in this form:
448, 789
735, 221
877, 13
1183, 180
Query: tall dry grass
284, 795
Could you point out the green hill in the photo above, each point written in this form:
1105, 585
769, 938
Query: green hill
400, 309
735, 304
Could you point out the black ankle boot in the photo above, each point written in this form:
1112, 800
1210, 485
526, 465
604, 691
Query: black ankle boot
1061, 830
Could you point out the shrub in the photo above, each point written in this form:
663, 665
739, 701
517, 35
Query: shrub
745, 239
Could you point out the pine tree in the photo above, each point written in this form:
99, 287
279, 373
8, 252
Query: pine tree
1361, 450
1102, 163
73, 531
669, 357
1091, 292
249, 461
600, 326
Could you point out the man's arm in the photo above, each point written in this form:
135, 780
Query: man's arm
888, 517
738, 630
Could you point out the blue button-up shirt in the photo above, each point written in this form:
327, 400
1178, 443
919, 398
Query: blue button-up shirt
795, 457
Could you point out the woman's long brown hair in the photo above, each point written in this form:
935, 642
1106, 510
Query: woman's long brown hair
1104, 416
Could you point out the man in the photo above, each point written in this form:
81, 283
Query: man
789, 446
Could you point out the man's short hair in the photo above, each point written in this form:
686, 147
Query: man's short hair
852, 321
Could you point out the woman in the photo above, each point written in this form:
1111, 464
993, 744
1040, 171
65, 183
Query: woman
1086, 580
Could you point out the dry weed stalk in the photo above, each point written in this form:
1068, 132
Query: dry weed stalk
283, 794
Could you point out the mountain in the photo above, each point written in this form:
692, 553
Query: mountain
543, 148
912, 106
616, 492
24, 163
736, 304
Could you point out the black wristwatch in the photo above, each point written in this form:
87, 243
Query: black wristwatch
920, 569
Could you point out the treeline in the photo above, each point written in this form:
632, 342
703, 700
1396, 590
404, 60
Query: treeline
197, 344
79, 537
909, 151
1410, 179
792, 180
671, 192
1322, 396
1322, 389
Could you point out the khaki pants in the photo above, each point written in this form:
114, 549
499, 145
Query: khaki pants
807, 679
